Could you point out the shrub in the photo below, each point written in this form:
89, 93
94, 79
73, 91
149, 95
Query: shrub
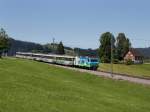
128, 62
116, 61
105, 60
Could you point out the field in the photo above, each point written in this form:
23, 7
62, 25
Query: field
141, 70
29, 86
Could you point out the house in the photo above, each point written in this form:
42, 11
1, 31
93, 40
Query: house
134, 55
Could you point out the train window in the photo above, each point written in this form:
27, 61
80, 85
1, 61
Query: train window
82, 61
94, 60
59, 58
45, 56
35, 55
64, 58
50, 57
26, 55
69, 59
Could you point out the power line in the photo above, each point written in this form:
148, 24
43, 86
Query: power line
146, 42
140, 39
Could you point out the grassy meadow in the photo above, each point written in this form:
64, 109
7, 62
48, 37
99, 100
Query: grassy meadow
29, 86
140, 70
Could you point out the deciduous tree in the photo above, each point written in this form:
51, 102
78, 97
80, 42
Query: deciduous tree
4, 41
122, 46
105, 46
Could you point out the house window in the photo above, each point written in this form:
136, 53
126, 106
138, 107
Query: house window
137, 58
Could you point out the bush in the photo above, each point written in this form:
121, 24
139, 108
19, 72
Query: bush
116, 61
105, 60
128, 62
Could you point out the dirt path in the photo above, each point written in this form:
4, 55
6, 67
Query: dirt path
108, 75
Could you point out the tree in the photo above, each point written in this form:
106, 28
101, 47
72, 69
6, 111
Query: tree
122, 46
105, 47
60, 48
4, 41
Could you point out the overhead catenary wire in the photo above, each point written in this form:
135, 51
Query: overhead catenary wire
145, 42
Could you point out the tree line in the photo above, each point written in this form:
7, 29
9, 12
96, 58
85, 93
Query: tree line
11, 46
119, 46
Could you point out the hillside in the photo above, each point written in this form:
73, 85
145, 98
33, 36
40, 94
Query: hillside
145, 52
29, 86
86, 52
23, 46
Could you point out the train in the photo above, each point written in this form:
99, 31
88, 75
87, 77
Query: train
87, 62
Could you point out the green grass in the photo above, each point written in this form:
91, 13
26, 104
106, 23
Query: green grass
29, 86
140, 70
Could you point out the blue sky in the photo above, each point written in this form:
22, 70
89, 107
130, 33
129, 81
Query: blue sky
78, 23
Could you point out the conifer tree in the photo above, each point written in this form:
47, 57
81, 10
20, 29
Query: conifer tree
60, 48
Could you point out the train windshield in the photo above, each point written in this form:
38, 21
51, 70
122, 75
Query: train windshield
94, 60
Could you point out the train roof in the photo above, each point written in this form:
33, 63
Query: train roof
40, 54
55, 55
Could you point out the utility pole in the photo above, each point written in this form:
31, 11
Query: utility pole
112, 55
53, 45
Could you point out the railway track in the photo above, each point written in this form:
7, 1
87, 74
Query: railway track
108, 75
